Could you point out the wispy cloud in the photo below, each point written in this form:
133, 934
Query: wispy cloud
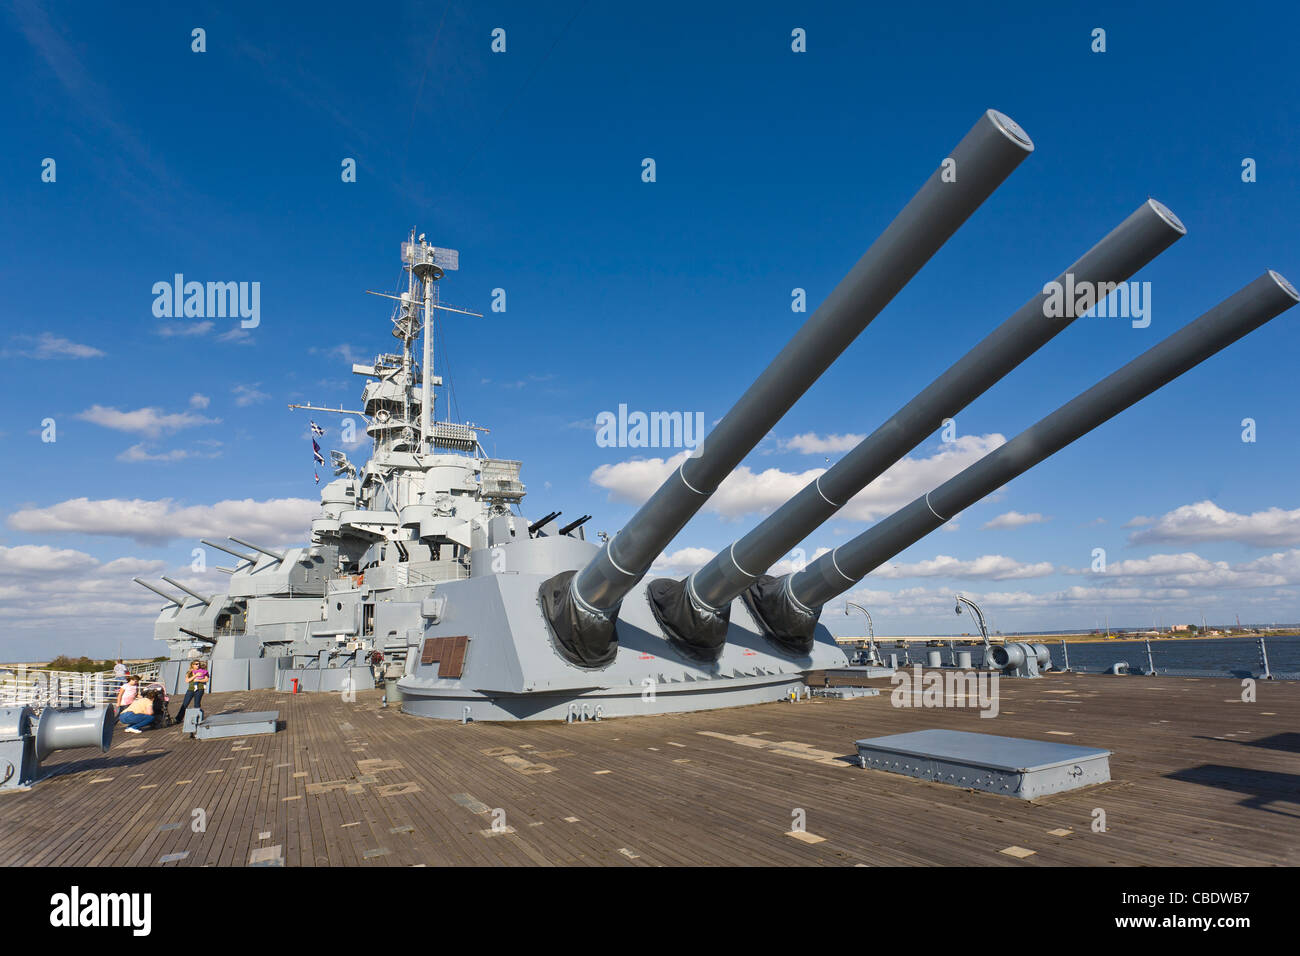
996, 567
141, 452
248, 394
348, 353
145, 421
1013, 519
173, 329
135, 163
810, 443
236, 336
47, 345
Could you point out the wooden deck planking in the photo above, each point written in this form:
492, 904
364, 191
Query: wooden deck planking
729, 804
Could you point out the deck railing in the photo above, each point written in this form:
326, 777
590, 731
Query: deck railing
39, 687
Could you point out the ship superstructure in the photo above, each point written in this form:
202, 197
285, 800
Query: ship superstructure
397, 525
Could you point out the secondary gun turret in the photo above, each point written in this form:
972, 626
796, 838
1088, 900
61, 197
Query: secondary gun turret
581, 606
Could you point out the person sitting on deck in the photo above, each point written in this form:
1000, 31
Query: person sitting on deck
128, 692
196, 682
139, 714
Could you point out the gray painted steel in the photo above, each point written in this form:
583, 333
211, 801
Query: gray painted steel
985, 157
837, 571
1147, 232
333, 679
1011, 766
864, 670
26, 738
247, 724
1017, 659
512, 670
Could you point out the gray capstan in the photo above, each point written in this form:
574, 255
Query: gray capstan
423, 572
27, 738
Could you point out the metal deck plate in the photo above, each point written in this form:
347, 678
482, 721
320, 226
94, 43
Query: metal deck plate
1008, 765
238, 724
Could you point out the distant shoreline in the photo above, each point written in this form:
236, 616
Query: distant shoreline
1114, 639
1077, 638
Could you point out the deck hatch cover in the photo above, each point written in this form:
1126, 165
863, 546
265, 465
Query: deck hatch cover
1006, 765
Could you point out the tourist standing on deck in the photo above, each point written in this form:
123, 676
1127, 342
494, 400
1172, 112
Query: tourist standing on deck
196, 682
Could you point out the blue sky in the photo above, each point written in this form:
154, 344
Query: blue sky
774, 170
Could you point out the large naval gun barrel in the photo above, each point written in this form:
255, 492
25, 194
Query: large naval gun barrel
179, 602
788, 607
192, 593
278, 555
581, 607
695, 612
250, 558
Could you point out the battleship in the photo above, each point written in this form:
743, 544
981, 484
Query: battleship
427, 581
425, 571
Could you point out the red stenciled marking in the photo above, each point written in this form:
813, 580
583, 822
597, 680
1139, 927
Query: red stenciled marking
645, 657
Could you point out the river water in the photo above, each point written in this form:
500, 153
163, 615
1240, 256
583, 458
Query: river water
1228, 657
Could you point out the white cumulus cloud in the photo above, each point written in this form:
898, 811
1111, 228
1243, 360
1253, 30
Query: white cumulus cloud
746, 492
144, 421
1206, 521
810, 443
996, 567
1014, 519
274, 521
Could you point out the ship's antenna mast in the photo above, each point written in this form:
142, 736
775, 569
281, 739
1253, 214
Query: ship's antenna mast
427, 264
409, 305
430, 280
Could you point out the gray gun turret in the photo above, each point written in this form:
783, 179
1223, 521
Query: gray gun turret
695, 612
581, 606
788, 607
